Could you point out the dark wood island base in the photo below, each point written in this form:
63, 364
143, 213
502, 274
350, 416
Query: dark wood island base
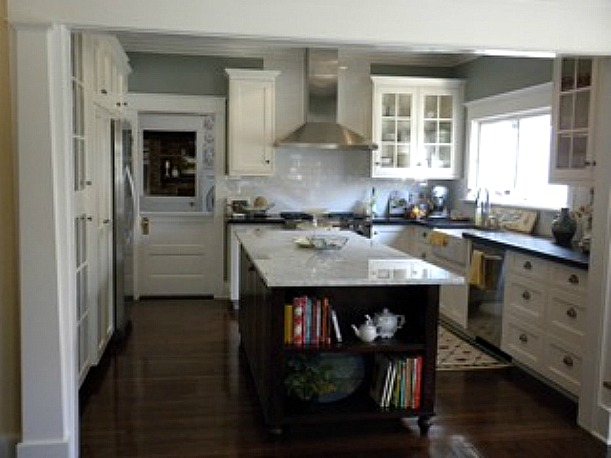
261, 325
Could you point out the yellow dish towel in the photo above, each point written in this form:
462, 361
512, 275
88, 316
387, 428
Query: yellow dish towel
438, 238
476, 270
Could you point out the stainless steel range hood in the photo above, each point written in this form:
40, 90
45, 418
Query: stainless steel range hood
321, 129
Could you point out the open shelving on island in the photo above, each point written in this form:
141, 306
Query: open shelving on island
261, 324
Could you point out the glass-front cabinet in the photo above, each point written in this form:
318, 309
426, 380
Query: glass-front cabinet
416, 125
572, 155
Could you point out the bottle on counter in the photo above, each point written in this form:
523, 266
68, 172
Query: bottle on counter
373, 204
482, 207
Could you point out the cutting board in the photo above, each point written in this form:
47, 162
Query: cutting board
518, 220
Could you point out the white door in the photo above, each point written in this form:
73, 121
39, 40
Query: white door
180, 251
102, 223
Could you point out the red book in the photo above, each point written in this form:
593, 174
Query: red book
418, 380
326, 321
298, 310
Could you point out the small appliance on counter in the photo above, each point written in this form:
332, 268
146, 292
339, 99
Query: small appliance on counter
397, 203
439, 202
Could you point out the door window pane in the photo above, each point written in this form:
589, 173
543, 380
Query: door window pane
170, 159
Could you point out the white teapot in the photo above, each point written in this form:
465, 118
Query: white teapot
387, 323
367, 332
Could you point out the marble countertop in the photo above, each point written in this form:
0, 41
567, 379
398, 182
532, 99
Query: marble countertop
361, 262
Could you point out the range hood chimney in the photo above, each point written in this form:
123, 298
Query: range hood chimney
321, 129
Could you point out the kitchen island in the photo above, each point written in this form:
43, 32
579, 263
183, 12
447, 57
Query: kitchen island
360, 279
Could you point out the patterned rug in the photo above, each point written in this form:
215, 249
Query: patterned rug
454, 353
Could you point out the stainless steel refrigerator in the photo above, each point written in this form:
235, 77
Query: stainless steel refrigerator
123, 226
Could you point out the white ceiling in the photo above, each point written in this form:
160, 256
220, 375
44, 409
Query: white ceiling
241, 47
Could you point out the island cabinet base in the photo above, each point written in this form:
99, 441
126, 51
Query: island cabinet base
354, 370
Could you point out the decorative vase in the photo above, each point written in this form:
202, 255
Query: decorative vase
564, 227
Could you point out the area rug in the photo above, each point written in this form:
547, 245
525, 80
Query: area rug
455, 353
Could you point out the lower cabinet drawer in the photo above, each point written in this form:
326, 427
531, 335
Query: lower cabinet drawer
525, 298
563, 365
522, 341
566, 317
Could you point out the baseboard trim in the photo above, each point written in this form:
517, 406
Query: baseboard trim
46, 449
8, 446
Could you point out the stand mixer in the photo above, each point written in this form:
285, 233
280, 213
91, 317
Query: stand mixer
439, 202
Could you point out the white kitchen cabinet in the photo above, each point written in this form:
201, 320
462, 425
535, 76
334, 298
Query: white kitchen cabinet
572, 153
544, 318
450, 253
251, 130
111, 69
393, 235
417, 125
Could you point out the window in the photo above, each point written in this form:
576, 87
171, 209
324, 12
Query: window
177, 162
509, 151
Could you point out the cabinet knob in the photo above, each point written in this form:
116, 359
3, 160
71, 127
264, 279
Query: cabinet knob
574, 279
526, 296
90, 218
523, 338
589, 163
568, 361
528, 265
571, 313
104, 91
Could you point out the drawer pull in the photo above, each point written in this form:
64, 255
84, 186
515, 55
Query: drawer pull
571, 313
574, 279
526, 295
523, 338
568, 361
528, 265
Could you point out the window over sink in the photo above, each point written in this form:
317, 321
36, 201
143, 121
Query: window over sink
509, 147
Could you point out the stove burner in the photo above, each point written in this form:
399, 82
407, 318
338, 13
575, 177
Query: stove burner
349, 221
296, 216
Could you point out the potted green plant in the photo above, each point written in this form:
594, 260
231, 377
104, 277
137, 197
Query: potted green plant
306, 379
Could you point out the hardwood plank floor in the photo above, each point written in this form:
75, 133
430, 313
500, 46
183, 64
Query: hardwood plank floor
180, 388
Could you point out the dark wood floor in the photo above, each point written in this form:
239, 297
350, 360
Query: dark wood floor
179, 388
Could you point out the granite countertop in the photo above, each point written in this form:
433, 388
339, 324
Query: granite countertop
444, 223
272, 218
525, 243
361, 262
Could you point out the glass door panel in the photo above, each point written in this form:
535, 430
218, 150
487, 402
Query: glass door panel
565, 113
387, 156
388, 105
430, 107
580, 149
405, 105
446, 104
582, 110
563, 152
567, 82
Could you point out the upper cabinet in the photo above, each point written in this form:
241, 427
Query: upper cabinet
251, 131
417, 125
110, 72
572, 155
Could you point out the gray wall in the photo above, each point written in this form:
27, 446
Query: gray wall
181, 74
488, 76
484, 76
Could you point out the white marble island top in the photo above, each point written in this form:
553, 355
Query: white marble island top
361, 262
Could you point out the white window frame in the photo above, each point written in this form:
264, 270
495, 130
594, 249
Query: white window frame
528, 101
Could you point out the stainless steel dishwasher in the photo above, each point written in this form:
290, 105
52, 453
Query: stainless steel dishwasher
486, 278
